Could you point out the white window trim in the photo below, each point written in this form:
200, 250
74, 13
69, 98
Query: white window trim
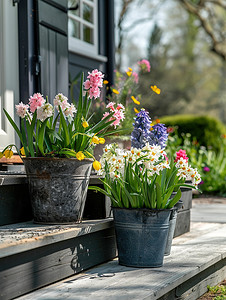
83, 48
9, 72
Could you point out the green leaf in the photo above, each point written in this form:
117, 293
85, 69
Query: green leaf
167, 196
65, 128
174, 200
41, 135
14, 126
158, 195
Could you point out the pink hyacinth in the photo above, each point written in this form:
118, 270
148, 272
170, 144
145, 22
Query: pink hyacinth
181, 154
118, 113
135, 77
144, 65
93, 83
36, 101
111, 106
22, 109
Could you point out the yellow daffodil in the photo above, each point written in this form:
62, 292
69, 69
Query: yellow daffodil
80, 155
155, 89
101, 140
105, 82
8, 153
22, 151
135, 100
85, 124
115, 91
136, 110
96, 165
1, 155
130, 69
129, 73
95, 140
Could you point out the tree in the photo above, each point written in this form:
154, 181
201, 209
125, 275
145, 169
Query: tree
211, 15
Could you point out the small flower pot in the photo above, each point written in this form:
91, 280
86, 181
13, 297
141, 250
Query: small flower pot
141, 236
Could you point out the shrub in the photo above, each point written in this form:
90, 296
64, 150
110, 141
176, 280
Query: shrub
207, 131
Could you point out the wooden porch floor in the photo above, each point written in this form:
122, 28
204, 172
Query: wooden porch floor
198, 258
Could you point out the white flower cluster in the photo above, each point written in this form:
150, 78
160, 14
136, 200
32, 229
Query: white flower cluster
45, 111
62, 101
187, 172
150, 158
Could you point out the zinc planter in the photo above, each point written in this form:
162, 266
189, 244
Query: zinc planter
172, 225
141, 236
58, 188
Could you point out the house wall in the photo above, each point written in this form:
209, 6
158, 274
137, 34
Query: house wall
9, 77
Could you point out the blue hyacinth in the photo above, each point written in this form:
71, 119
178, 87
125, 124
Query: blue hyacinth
142, 134
141, 131
158, 135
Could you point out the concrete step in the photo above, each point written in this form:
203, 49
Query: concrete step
197, 259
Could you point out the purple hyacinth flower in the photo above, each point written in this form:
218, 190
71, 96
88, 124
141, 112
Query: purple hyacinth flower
141, 131
159, 135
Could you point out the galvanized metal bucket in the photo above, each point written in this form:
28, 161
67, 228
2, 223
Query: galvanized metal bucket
58, 188
141, 236
172, 225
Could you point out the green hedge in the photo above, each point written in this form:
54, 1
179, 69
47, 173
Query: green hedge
206, 130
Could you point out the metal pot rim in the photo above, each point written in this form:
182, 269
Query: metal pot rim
56, 158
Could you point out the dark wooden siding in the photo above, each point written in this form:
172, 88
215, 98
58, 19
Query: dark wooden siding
53, 42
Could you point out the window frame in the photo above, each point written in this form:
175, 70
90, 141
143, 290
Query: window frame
78, 45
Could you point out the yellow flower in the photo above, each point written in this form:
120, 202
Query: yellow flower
8, 153
129, 73
96, 165
157, 121
1, 155
135, 100
85, 124
101, 140
95, 140
80, 155
105, 82
130, 69
136, 111
115, 91
155, 89
22, 151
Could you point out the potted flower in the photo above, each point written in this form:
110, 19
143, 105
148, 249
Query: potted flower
140, 183
57, 146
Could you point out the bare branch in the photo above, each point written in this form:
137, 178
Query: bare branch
196, 10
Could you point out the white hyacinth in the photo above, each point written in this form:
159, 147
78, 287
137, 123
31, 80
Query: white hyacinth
44, 112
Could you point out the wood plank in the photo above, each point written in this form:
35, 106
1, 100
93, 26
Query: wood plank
17, 238
191, 261
30, 270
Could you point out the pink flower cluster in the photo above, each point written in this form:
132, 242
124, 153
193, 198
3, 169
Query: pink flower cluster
135, 77
36, 101
144, 65
22, 109
118, 113
93, 83
181, 154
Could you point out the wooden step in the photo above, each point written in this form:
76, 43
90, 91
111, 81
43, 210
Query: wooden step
198, 259
32, 255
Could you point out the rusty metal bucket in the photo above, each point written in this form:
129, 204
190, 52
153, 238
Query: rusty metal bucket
58, 188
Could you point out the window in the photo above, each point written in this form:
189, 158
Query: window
83, 26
